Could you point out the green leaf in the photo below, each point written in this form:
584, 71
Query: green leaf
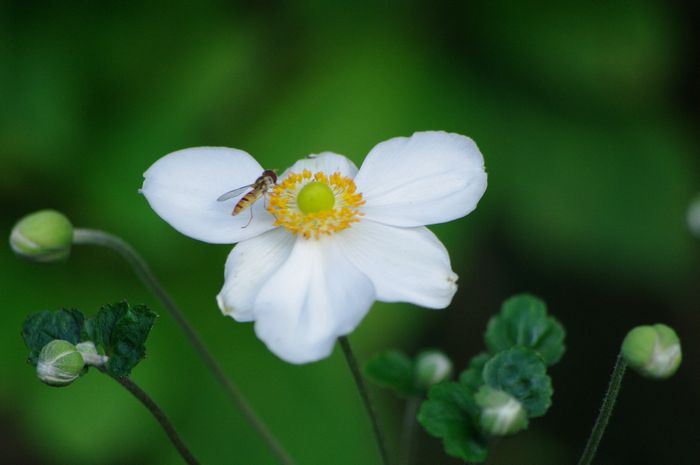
40, 328
451, 414
393, 370
120, 331
523, 321
521, 373
473, 377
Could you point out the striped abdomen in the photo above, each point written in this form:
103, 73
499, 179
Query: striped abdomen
247, 201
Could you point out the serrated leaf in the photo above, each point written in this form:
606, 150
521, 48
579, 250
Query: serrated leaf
451, 414
40, 328
473, 377
521, 372
393, 370
120, 331
523, 321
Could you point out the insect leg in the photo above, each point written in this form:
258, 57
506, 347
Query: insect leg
251, 218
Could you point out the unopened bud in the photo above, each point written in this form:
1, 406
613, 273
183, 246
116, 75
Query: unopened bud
653, 351
432, 367
59, 363
694, 217
501, 413
43, 236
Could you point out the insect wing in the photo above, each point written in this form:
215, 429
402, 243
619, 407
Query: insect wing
234, 193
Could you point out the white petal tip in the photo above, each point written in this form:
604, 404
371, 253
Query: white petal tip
231, 312
444, 298
222, 305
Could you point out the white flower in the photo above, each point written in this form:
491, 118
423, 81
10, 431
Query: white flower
328, 239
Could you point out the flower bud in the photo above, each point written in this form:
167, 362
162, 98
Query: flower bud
59, 363
90, 355
43, 236
694, 217
432, 367
653, 351
501, 413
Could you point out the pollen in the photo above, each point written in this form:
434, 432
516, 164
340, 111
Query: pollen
315, 204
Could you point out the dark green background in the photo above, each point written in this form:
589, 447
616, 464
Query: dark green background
586, 113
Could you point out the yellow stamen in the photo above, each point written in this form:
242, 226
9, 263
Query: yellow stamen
324, 218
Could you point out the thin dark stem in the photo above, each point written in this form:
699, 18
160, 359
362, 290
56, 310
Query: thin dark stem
605, 412
408, 430
143, 271
364, 393
158, 414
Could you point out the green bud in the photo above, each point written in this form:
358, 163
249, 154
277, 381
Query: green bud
501, 413
43, 236
653, 351
90, 355
432, 367
694, 217
59, 363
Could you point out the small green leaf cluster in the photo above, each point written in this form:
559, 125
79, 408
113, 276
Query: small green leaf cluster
523, 322
501, 388
120, 331
498, 392
114, 338
40, 328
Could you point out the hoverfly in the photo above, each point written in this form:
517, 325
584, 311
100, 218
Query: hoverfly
259, 188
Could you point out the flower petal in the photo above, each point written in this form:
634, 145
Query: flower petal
328, 162
314, 297
249, 265
404, 264
182, 188
430, 177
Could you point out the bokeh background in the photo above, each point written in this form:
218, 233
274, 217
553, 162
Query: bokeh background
586, 112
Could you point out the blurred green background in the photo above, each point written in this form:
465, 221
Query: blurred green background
587, 115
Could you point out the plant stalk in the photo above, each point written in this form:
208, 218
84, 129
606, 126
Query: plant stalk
143, 271
408, 431
364, 393
606, 410
158, 414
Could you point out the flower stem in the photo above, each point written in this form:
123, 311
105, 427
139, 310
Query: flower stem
605, 412
364, 393
408, 430
142, 270
158, 414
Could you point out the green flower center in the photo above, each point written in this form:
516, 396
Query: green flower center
315, 197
